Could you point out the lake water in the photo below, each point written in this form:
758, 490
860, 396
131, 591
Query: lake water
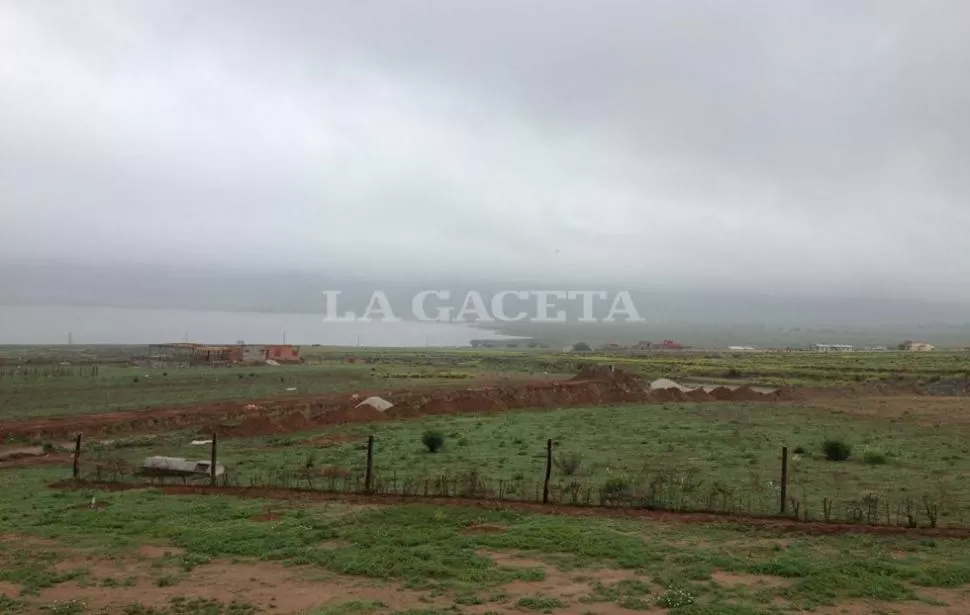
94, 325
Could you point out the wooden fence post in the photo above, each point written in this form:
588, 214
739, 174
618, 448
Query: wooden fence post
545, 487
77, 456
784, 480
212, 463
369, 478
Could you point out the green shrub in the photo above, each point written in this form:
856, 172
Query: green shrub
433, 441
800, 450
541, 603
875, 458
616, 490
837, 450
568, 463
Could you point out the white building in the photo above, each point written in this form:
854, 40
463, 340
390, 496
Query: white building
833, 347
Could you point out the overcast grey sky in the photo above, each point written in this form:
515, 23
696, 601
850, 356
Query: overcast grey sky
818, 144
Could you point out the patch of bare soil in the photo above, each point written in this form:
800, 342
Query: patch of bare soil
155, 551
27, 541
570, 587
956, 605
920, 409
267, 586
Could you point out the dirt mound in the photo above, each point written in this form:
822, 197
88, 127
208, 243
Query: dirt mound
699, 395
608, 373
746, 393
353, 414
955, 387
787, 394
596, 385
255, 426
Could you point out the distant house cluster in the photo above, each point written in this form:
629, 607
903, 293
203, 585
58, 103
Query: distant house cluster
507, 344
187, 354
644, 345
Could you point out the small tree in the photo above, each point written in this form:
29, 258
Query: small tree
433, 440
582, 347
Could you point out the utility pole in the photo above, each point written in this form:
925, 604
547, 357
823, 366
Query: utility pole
358, 341
70, 338
284, 338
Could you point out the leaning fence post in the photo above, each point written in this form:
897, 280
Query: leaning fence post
545, 486
369, 477
784, 480
212, 463
77, 456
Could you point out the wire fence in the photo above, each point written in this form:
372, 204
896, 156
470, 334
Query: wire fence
561, 484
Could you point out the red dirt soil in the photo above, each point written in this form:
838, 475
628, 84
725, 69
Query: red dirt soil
592, 386
774, 524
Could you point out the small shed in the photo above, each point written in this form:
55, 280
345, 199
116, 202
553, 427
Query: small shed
179, 467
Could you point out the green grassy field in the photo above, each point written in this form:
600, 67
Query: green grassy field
768, 368
142, 552
720, 456
441, 557
327, 371
125, 388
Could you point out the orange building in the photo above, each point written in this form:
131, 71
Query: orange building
283, 353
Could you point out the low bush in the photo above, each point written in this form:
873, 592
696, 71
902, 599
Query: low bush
875, 457
616, 490
433, 441
836, 450
568, 463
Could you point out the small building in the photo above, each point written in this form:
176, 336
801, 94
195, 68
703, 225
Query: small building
832, 347
161, 467
664, 345
920, 347
282, 353
741, 348
188, 355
